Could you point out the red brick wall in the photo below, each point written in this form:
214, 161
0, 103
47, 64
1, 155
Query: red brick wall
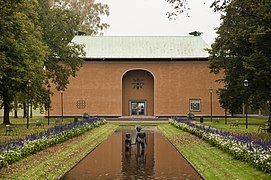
100, 85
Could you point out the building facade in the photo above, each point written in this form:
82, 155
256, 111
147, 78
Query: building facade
141, 76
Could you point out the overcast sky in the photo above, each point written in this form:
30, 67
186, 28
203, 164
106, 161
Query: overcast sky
148, 18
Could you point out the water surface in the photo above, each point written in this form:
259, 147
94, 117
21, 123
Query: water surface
110, 160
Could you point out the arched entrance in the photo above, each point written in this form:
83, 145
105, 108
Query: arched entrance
137, 93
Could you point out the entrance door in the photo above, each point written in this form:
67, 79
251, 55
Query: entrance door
137, 89
137, 108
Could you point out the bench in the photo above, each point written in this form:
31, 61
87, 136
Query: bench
10, 129
38, 123
235, 124
264, 127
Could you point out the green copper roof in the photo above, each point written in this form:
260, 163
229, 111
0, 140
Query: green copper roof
175, 47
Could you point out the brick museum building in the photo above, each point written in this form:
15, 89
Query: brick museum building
149, 76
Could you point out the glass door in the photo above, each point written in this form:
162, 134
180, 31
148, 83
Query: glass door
137, 108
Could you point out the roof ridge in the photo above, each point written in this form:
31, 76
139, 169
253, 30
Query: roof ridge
137, 36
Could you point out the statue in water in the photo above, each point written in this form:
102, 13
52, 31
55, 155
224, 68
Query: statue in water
128, 141
141, 139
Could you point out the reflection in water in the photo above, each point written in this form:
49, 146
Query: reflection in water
113, 160
138, 162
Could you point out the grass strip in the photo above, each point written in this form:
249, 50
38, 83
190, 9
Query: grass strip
211, 162
54, 161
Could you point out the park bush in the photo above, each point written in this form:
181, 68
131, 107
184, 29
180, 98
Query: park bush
18, 149
241, 146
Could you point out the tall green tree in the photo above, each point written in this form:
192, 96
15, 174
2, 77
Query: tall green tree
33, 35
64, 59
90, 14
242, 51
22, 51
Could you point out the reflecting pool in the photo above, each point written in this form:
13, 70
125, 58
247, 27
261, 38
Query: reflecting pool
111, 160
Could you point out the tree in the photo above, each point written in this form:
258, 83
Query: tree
58, 30
22, 52
35, 35
178, 7
182, 7
242, 51
220, 5
90, 14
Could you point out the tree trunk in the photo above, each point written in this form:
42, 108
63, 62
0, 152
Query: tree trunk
269, 111
15, 108
15, 113
25, 109
6, 119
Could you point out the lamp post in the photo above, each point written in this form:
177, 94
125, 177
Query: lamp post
226, 103
62, 107
246, 85
28, 102
48, 88
211, 102
269, 110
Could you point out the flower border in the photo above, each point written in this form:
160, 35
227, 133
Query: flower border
244, 147
18, 149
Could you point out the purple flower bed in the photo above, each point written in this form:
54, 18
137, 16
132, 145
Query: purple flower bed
18, 149
245, 138
241, 146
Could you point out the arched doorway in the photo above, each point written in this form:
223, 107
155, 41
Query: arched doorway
137, 93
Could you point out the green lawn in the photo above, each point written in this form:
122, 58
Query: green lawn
21, 127
253, 126
52, 120
242, 121
211, 162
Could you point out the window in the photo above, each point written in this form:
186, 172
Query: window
138, 108
194, 105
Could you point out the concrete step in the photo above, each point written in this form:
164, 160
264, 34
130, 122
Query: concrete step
136, 119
